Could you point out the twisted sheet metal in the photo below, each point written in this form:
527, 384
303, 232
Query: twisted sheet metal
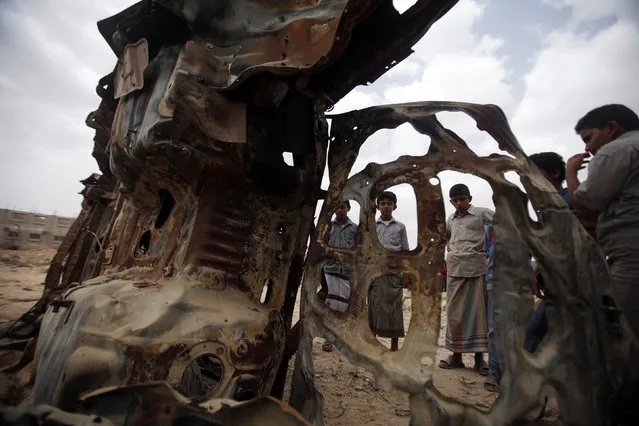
587, 356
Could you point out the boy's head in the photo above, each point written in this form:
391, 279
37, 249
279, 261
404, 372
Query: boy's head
552, 165
386, 203
460, 197
605, 124
341, 213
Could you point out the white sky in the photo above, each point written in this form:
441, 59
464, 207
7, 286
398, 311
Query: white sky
545, 62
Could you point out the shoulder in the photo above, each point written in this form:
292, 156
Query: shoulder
486, 210
621, 146
480, 211
400, 224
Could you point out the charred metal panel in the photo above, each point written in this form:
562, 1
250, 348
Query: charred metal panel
155, 403
201, 227
587, 331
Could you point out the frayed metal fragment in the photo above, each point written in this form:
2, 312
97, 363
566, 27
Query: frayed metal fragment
583, 341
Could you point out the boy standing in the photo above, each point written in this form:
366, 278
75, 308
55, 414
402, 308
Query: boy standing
494, 370
611, 135
385, 314
343, 235
553, 167
467, 329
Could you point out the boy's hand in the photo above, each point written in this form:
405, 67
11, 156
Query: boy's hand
577, 162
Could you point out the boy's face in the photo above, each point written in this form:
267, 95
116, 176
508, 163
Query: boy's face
461, 203
386, 208
596, 138
553, 177
342, 211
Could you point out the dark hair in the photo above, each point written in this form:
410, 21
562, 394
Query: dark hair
348, 203
550, 162
459, 190
599, 117
388, 196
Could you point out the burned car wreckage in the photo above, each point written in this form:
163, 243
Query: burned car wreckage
175, 288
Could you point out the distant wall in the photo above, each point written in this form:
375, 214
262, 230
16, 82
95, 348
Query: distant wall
19, 228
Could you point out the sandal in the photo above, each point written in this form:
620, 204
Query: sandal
481, 367
491, 383
451, 363
327, 347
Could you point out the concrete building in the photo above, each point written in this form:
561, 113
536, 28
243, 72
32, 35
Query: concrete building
19, 228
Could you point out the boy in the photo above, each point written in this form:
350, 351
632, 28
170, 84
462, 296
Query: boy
343, 235
553, 167
494, 371
467, 329
385, 314
611, 135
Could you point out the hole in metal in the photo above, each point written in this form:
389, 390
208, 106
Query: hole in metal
144, 242
202, 376
267, 290
167, 202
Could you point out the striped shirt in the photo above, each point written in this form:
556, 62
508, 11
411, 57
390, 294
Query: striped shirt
342, 236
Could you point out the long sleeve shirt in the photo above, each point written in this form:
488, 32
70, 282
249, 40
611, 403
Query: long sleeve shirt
612, 188
342, 236
466, 255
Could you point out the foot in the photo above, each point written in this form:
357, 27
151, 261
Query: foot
481, 366
451, 362
327, 347
491, 384
394, 344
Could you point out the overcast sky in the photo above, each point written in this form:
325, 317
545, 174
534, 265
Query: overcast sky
545, 62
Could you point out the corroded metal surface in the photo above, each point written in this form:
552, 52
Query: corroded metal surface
185, 263
587, 335
154, 403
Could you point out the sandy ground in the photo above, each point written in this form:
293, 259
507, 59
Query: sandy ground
350, 394
22, 275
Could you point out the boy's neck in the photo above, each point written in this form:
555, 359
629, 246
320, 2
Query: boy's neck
341, 220
386, 219
459, 214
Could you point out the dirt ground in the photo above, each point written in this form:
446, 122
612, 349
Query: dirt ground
350, 394
22, 275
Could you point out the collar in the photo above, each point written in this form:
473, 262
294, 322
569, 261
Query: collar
628, 136
348, 222
392, 220
471, 210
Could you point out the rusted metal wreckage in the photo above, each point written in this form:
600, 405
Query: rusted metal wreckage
172, 296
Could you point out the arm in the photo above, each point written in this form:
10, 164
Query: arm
607, 175
488, 216
487, 238
573, 165
404, 237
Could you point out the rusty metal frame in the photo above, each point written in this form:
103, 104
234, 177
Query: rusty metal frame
210, 98
587, 329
